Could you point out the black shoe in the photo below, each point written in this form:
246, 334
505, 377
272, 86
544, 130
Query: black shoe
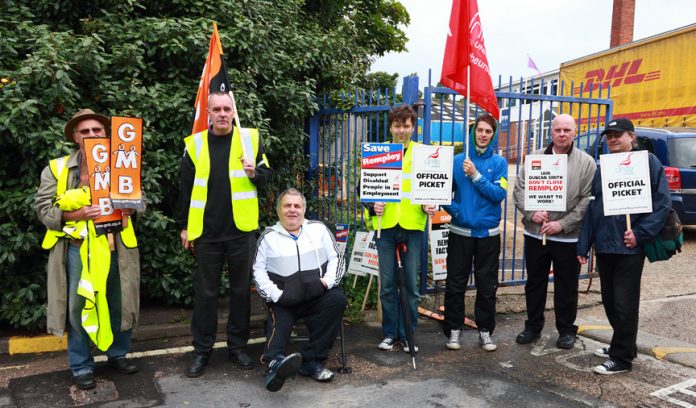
197, 366
316, 370
611, 366
527, 336
123, 366
241, 359
566, 341
280, 369
85, 381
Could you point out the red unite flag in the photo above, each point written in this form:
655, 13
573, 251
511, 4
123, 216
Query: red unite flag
465, 47
214, 78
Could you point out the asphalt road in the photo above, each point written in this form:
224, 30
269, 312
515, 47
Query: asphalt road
535, 375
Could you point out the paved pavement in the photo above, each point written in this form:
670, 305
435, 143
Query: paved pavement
666, 335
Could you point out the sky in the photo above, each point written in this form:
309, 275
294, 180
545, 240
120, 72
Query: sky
549, 31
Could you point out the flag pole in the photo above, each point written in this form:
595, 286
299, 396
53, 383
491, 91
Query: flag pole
239, 127
468, 97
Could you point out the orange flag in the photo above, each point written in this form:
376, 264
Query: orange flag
214, 78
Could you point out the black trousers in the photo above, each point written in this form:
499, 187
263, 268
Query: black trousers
211, 257
462, 252
620, 278
323, 317
566, 270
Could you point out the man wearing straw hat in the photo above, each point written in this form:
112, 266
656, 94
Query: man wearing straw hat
561, 229
221, 170
63, 204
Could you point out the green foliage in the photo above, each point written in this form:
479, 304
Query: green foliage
144, 58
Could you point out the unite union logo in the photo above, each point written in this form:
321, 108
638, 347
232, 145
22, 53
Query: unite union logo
625, 167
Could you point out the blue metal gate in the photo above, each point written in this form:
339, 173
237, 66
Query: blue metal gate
527, 110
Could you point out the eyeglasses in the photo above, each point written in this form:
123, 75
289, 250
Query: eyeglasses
85, 132
613, 135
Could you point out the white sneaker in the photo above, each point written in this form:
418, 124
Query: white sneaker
486, 342
453, 343
406, 349
387, 344
602, 352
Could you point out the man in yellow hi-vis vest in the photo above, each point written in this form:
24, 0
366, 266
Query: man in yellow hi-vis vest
402, 222
63, 205
221, 169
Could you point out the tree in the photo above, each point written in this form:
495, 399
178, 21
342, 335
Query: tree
144, 58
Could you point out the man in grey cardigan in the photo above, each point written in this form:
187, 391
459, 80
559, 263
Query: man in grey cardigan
562, 229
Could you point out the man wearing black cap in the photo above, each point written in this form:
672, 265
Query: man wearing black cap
619, 251
65, 218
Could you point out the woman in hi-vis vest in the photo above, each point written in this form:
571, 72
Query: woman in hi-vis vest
401, 222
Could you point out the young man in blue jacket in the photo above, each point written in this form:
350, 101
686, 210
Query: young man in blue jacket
480, 185
619, 250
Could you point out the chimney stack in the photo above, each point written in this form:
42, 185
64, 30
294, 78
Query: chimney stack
622, 22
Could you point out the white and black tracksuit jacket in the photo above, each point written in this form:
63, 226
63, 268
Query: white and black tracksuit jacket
288, 270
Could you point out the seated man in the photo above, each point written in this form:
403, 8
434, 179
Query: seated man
297, 269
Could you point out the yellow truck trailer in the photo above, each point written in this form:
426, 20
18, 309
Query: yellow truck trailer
651, 81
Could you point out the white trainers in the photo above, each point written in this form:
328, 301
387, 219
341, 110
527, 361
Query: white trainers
486, 342
602, 352
453, 343
387, 344
406, 349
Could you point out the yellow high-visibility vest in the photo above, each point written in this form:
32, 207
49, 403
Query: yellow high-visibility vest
77, 230
408, 216
245, 203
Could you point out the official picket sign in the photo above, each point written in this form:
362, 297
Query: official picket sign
99, 170
438, 244
626, 183
126, 159
364, 259
545, 185
342, 231
431, 176
380, 172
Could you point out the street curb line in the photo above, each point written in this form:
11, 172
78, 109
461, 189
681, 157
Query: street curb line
48, 343
583, 328
661, 352
37, 344
653, 345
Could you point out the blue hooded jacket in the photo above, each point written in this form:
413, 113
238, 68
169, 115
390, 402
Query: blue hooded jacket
476, 207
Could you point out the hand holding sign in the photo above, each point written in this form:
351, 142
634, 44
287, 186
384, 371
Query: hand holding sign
545, 189
380, 175
626, 184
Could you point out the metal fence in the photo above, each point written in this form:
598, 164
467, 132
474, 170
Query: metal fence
340, 126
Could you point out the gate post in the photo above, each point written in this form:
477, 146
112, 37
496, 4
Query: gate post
409, 90
313, 147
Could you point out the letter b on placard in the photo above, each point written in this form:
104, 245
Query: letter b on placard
105, 205
125, 185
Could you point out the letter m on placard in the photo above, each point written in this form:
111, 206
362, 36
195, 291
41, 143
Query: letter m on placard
101, 181
126, 161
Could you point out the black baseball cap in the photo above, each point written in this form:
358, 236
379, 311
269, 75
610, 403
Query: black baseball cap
619, 125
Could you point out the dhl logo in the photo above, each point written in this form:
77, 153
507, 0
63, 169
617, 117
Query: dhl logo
626, 73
